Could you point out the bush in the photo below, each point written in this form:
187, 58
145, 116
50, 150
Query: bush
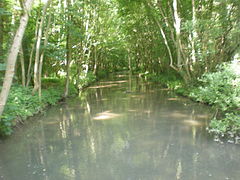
222, 90
22, 104
86, 79
169, 81
228, 125
58, 83
102, 74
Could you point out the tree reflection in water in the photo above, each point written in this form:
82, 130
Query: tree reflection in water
109, 134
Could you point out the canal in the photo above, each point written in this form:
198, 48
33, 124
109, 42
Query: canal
123, 129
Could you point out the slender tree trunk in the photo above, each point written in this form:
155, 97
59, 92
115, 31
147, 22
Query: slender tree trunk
12, 57
164, 36
177, 25
38, 44
1, 34
95, 60
129, 62
42, 56
31, 56
167, 46
194, 33
69, 57
69, 50
22, 66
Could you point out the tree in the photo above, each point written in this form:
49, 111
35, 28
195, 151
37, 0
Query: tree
12, 57
38, 45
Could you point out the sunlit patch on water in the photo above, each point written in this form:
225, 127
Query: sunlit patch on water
122, 75
51, 122
147, 111
138, 96
140, 111
178, 115
164, 89
106, 115
173, 99
113, 82
103, 99
203, 116
132, 110
193, 123
103, 86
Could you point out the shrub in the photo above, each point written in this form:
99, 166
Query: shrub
169, 81
228, 125
86, 79
22, 104
222, 90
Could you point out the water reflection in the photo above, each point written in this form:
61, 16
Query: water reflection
148, 134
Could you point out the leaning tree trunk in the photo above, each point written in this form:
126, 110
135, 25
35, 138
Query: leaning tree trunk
12, 57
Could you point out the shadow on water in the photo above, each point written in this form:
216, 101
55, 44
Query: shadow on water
119, 129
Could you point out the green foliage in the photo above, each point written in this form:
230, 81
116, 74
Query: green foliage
2, 66
185, 90
86, 79
22, 104
222, 90
169, 81
58, 83
102, 74
228, 125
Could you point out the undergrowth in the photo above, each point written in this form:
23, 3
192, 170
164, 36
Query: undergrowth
221, 89
171, 82
21, 104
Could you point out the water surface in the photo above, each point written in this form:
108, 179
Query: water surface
120, 129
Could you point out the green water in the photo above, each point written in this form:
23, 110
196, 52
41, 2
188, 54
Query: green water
123, 129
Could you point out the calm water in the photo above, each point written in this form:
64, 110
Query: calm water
123, 130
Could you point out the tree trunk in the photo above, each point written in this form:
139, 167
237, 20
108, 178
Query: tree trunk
164, 36
12, 57
31, 57
177, 25
38, 44
1, 34
22, 66
69, 51
95, 60
41, 58
194, 33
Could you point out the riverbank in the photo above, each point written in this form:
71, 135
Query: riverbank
220, 90
22, 104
